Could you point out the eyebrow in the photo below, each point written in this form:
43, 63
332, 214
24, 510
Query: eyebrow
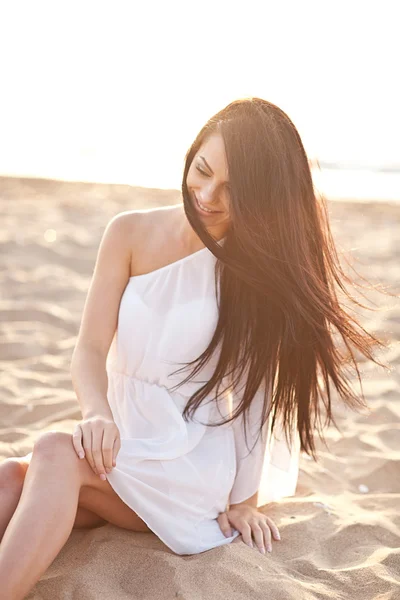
208, 166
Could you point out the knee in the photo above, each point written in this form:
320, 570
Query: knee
53, 443
12, 473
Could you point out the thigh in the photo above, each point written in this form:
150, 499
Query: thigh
109, 506
96, 495
16, 469
85, 519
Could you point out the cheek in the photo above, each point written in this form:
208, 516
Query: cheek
189, 183
191, 179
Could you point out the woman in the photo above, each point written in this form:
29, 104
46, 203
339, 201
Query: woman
237, 282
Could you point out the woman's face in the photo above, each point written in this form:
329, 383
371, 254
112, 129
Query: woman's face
208, 184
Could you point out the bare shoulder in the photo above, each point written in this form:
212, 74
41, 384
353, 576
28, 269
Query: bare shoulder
159, 219
124, 223
125, 230
142, 222
152, 234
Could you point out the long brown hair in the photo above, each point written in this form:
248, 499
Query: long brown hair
278, 270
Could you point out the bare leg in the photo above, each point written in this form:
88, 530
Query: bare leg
12, 477
55, 482
12, 474
44, 516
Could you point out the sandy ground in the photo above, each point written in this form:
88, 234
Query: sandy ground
340, 532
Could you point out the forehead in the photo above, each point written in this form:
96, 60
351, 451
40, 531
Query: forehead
213, 150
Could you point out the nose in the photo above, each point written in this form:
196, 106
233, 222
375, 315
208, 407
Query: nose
207, 195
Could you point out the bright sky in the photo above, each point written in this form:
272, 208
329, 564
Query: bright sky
116, 91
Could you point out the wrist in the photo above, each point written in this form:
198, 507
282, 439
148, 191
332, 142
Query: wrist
91, 414
252, 501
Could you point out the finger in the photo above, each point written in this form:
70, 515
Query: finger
77, 442
267, 535
108, 443
274, 528
97, 446
87, 445
258, 535
116, 449
223, 523
245, 530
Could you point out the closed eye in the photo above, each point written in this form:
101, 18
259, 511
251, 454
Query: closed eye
228, 187
202, 172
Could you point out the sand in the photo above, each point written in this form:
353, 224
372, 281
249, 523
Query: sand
340, 532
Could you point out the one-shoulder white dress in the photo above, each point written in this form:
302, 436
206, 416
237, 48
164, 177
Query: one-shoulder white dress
177, 475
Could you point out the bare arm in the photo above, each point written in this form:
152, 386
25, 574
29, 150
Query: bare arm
89, 379
100, 316
252, 501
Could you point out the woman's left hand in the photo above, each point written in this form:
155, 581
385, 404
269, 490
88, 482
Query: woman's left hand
249, 522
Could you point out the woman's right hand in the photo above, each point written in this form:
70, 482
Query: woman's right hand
98, 438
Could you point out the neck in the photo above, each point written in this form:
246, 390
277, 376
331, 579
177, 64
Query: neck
188, 237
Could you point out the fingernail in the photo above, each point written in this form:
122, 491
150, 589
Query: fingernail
102, 476
227, 534
262, 550
251, 544
81, 455
269, 548
278, 537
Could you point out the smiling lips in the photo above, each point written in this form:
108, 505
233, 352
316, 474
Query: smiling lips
204, 209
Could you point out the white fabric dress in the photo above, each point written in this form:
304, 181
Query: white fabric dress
177, 475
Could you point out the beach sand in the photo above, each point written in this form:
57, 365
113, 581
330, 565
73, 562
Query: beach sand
340, 532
